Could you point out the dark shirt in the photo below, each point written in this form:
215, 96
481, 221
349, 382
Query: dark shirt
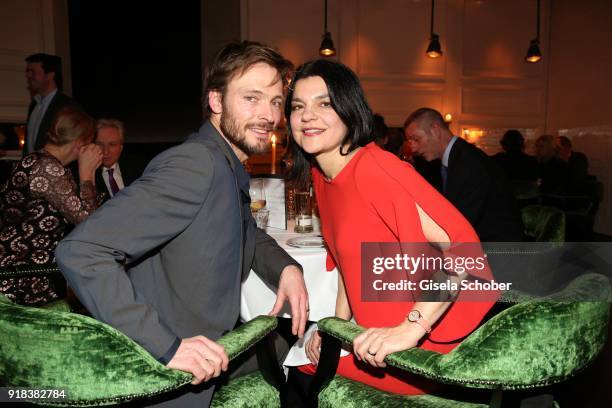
555, 176
517, 165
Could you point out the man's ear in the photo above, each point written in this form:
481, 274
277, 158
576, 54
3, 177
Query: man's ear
215, 100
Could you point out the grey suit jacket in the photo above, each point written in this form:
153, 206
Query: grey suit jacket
164, 258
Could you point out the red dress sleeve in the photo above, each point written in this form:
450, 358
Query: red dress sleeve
394, 189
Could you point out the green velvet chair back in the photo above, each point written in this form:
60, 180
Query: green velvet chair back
529, 345
94, 362
543, 224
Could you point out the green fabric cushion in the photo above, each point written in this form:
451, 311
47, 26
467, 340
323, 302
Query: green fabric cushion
250, 390
544, 224
245, 336
95, 363
345, 393
531, 344
57, 305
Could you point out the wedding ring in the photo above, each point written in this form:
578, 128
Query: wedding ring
370, 353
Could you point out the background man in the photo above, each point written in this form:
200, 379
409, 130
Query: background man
471, 181
163, 260
115, 173
577, 163
44, 76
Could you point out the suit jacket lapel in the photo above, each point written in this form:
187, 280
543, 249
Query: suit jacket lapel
209, 130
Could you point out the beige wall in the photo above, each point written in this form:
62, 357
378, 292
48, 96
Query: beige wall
580, 89
27, 27
580, 86
482, 80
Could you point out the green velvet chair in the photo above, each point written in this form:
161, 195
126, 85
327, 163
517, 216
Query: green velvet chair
51, 347
530, 345
543, 224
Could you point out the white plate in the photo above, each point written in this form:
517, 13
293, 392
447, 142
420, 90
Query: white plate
312, 241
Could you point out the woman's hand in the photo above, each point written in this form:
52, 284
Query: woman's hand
313, 347
90, 158
373, 345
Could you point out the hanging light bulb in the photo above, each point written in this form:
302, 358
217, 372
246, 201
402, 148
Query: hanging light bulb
327, 48
434, 50
533, 52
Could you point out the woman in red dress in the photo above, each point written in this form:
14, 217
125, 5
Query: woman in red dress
365, 194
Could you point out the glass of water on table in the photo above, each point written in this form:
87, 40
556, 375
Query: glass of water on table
257, 192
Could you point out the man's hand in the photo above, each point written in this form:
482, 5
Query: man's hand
201, 357
293, 288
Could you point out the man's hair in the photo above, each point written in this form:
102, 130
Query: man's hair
49, 63
348, 101
426, 117
69, 125
105, 123
380, 127
234, 60
565, 141
513, 141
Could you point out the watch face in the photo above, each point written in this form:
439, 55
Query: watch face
414, 316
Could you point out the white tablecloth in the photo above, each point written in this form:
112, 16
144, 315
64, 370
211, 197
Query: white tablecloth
257, 298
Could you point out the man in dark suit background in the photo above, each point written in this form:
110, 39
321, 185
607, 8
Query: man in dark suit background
471, 181
115, 173
163, 261
577, 165
44, 77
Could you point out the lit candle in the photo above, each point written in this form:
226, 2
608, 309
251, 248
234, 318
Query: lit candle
273, 164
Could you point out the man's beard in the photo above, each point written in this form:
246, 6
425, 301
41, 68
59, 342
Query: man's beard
237, 136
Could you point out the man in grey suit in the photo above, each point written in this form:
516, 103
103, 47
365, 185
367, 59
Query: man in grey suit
163, 260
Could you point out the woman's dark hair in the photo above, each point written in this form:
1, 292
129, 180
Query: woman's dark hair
347, 99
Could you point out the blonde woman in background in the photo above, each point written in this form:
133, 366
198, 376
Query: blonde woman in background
41, 199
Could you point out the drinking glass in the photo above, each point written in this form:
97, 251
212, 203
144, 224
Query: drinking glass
257, 192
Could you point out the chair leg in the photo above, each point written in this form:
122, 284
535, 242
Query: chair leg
501, 399
270, 368
326, 370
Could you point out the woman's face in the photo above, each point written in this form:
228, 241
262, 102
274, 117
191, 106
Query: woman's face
315, 125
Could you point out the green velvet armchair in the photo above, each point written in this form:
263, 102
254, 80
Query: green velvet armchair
98, 365
543, 224
530, 345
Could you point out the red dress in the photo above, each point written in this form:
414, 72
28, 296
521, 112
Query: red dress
373, 199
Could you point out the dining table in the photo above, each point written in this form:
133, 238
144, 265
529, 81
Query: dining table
258, 298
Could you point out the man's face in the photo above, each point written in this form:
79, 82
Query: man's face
251, 108
110, 142
37, 80
423, 142
564, 150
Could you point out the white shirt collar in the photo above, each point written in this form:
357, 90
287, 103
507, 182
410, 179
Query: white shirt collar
447, 151
115, 167
47, 98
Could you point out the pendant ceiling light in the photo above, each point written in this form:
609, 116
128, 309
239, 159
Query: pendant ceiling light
327, 48
434, 50
533, 52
